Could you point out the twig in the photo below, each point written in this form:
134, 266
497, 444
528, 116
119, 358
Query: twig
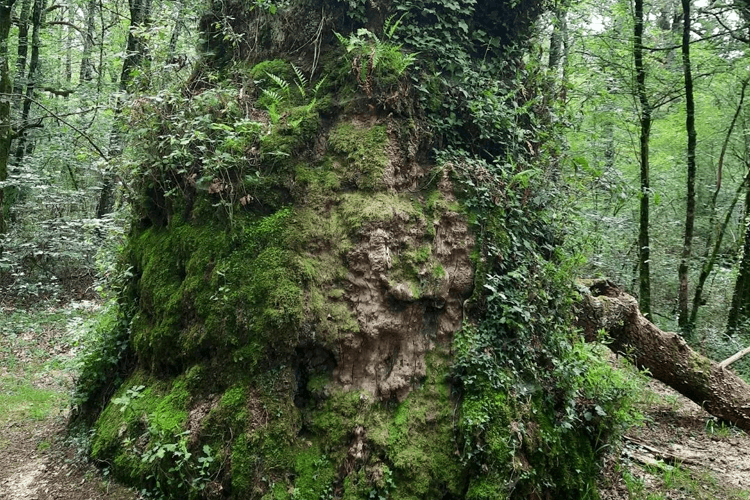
667, 457
55, 115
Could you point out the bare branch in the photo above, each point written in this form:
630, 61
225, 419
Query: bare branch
58, 117
734, 358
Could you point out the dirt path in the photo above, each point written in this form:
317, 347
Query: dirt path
35, 464
681, 452
37, 367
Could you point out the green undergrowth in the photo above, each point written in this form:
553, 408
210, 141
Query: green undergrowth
540, 406
663, 481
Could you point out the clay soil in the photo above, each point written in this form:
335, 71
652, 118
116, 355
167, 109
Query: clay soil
38, 460
37, 464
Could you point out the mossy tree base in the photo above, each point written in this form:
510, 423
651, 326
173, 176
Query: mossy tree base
315, 311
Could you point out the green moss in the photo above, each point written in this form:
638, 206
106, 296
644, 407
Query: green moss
363, 154
415, 439
219, 290
320, 184
297, 127
143, 406
315, 474
333, 319
358, 209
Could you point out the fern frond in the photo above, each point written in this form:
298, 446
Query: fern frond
318, 85
343, 40
275, 96
283, 84
301, 79
390, 27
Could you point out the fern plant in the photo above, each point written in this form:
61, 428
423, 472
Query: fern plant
283, 92
371, 54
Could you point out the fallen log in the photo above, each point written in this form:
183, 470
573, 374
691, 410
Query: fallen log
665, 355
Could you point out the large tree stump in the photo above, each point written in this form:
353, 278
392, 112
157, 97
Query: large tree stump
664, 354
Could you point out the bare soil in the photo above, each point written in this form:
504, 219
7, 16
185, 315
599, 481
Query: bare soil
37, 464
713, 457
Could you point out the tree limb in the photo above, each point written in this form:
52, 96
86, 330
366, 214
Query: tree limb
65, 23
76, 129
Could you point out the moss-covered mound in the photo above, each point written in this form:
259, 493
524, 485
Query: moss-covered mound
315, 304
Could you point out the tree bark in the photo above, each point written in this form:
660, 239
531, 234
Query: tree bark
6, 132
87, 70
22, 51
665, 355
37, 18
135, 53
709, 258
683, 318
644, 249
557, 38
739, 312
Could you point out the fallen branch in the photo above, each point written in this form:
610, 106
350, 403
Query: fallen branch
733, 358
665, 355
664, 456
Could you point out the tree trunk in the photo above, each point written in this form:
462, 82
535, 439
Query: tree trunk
709, 258
135, 52
22, 51
176, 31
739, 312
556, 41
644, 249
683, 318
6, 132
87, 73
665, 355
37, 19
70, 12
712, 254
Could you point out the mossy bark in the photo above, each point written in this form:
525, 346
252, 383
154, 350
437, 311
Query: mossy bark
300, 267
6, 131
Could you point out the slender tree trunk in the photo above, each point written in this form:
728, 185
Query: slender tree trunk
739, 312
87, 72
557, 38
6, 132
665, 355
644, 248
683, 319
69, 45
37, 18
135, 53
22, 52
709, 259
176, 31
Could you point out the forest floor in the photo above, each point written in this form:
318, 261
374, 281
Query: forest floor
38, 361
680, 452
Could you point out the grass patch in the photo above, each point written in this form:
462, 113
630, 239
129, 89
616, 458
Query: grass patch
20, 400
